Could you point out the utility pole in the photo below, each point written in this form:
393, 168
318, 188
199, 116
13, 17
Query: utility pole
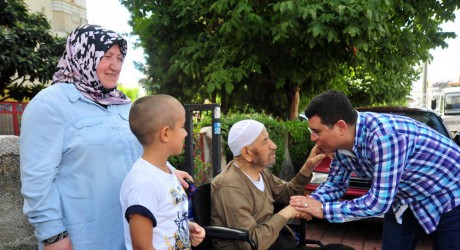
425, 84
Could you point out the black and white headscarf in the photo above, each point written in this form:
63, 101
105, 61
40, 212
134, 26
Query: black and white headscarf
85, 47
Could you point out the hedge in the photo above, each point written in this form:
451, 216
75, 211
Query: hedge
298, 137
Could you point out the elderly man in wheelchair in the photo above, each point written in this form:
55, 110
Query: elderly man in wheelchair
243, 196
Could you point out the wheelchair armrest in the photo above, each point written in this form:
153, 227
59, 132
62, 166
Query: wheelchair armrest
226, 233
229, 233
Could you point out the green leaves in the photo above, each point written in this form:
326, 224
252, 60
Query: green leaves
260, 53
28, 51
352, 31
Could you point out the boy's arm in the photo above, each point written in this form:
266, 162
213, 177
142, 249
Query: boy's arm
197, 233
141, 230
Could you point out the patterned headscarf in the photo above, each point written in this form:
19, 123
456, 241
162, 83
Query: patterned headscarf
85, 47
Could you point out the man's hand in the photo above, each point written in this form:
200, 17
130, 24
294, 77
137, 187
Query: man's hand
289, 212
197, 233
308, 205
181, 175
313, 160
64, 244
305, 216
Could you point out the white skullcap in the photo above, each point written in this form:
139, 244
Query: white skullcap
242, 134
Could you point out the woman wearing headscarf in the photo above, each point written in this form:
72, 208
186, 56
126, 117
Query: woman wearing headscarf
76, 146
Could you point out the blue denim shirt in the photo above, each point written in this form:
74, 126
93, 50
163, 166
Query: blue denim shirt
74, 156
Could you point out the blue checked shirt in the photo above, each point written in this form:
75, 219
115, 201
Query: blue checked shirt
409, 166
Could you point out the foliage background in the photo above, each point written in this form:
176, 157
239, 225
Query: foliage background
29, 52
298, 143
132, 93
274, 55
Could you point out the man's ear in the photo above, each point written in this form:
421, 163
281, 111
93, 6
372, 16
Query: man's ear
246, 154
343, 126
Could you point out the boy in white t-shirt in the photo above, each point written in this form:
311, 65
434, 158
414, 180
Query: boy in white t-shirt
154, 204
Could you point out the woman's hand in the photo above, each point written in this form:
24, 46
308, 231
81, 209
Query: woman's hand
197, 233
181, 175
64, 244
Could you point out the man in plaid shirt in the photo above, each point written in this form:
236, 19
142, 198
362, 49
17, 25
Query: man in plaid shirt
414, 171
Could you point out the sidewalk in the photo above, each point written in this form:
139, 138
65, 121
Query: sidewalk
361, 235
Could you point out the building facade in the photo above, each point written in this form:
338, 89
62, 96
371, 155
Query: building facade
63, 15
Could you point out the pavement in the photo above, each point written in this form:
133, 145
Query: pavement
361, 235
15, 231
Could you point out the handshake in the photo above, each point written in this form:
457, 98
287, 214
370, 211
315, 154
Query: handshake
304, 207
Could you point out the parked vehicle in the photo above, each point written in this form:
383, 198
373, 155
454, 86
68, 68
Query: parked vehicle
448, 105
359, 186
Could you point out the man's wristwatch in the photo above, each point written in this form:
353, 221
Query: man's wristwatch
55, 238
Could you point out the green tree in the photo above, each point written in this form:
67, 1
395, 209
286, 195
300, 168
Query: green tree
28, 51
274, 55
132, 93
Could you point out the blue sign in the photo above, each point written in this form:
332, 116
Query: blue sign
217, 128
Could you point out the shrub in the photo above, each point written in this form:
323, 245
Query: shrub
276, 130
299, 144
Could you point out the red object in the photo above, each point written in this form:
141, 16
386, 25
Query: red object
10, 117
352, 192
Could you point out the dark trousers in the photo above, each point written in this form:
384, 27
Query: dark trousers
405, 236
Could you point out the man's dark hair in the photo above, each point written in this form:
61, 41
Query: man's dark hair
331, 106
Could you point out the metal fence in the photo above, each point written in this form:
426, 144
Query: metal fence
10, 117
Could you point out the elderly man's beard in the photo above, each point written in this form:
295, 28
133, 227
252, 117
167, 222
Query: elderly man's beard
260, 163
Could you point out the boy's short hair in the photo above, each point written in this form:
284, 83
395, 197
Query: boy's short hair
149, 114
332, 106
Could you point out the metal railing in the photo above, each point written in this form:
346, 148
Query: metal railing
10, 117
216, 132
